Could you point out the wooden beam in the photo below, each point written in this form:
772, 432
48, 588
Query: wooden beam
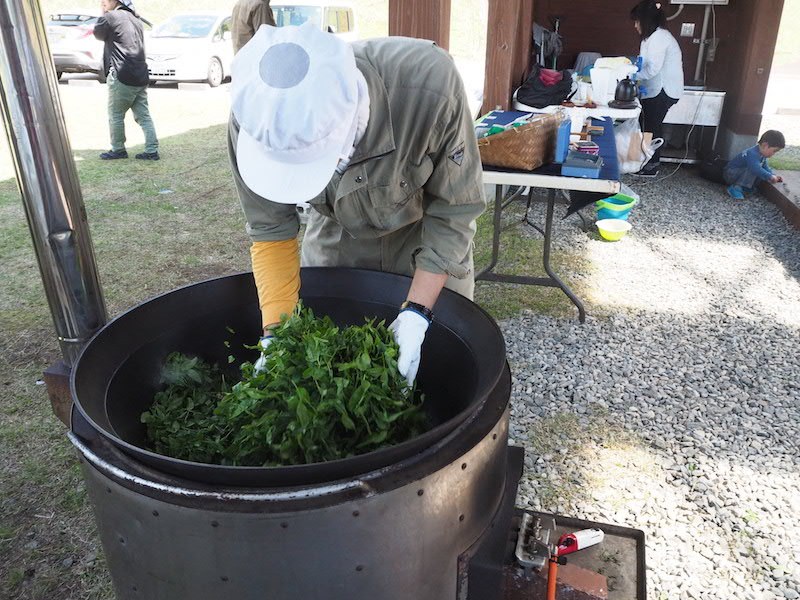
508, 50
524, 43
425, 19
760, 37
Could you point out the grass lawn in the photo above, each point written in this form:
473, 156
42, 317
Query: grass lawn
155, 226
787, 159
521, 254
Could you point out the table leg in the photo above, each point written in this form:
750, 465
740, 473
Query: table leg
496, 226
548, 233
552, 280
584, 222
525, 219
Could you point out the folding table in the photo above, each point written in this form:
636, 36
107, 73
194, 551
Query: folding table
548, 177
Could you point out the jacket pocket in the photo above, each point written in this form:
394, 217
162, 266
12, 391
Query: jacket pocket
399, 201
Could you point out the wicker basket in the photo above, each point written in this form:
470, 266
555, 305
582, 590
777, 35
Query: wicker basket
526, 147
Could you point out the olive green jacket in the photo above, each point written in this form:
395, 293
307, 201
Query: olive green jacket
247, 17
412, 190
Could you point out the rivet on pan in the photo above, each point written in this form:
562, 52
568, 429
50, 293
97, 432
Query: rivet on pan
494, 437
122, 540
403, 183
108, 489
356, 513
461, 517
285, 525
135, 589
155, 513
420, 492
359, 179
463, 466
214, 523
360, 568
224, 578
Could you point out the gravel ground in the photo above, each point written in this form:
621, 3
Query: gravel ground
675, 407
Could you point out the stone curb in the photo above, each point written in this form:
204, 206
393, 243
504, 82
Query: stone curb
785, 196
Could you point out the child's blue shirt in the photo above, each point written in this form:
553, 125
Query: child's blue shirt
753, 161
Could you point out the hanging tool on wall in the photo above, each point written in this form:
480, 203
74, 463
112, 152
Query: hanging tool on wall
556, 26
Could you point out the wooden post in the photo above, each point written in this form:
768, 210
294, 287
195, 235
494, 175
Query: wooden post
425, 19
757, 50
508, 50
522, 56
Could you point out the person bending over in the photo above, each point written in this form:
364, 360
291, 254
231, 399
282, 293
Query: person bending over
378, 138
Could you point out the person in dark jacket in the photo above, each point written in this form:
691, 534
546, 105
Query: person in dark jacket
127, 76
247, 17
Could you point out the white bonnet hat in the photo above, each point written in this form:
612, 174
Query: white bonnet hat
294, 93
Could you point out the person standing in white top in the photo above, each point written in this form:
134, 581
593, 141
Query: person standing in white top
661, 74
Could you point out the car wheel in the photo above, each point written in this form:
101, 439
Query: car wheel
214, 72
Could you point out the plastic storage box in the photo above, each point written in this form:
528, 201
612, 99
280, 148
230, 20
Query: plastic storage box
562, 140
615, 207
582, 165
588, 148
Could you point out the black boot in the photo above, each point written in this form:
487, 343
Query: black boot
649, 170
114, 154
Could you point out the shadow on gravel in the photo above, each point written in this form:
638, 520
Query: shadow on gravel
690, 349
707, 409
709, 383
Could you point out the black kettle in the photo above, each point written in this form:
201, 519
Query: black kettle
626, 91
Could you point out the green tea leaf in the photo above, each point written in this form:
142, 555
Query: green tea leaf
326, 393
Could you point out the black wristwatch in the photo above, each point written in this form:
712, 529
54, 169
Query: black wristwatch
419, 308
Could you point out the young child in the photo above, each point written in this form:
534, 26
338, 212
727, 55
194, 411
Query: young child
742, 173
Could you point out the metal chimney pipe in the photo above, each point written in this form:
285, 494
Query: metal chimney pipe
47, 176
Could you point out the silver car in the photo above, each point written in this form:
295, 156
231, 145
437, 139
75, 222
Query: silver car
72, 43
191, 47
328, 15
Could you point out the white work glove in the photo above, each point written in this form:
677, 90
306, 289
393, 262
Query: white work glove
409, 330
261, 363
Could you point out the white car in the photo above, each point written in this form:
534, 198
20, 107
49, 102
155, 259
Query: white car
72, 42
191, 47
335, 17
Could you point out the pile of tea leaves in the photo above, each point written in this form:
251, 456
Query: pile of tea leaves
326, 393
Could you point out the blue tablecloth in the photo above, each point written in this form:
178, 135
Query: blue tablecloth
608, 148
